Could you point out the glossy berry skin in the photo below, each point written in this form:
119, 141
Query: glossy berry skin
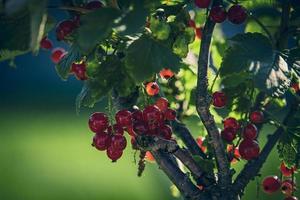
152, 114
137, 115
114, 154
162, 103
123, 118
118, 142
291, 198
93, 5
170, 114
98, 122
287, 172
152, 88
101, 141
271, 184
219, 99
165, 131
149, 157
140, 128
79, 69
46, 43
115, 129
249, 149
228, 134
202, 3
250, 132
199, 32
231, 122
64, 28
218, 14
257, 117
166, 73
130, 131
57, 54
287, 187
237, 14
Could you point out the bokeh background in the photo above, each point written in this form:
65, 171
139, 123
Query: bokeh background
45, 148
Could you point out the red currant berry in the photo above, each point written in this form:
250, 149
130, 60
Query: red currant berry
237, 14
137, 115
98, 122
162, 104
64, 28
170, 114
130, 131
133, 143
46, 43
249, 149
287, 171
231, 122
115, 129
166, 73
291, 198
219, 99
114, 154
295, 87
101, 141
79, 69
200, 141
288, 187
118, 142
165, 131
271, 184
228, 134
250, 132
218, 14
192, 23
199, 32
257, 117
202, 3
57, 54
93, 5
124, 118
152, 88
149, 157
152, 114
140, 128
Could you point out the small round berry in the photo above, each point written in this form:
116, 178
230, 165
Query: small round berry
57, 54
137, 115
152, 114
202, 3
98, 122
101, 141
115, 129
166, 73
228, 134
79, 69
152, 88
271, 184
149, 157
118, 142
237, 14
200, 141
123, 118
287, 171
218, 14
219, 99
295, 87
140, 128
291, 198
250, 132
170, 114
231, 122
114, 154
64, 28
257, 117
162, 103
165, 131
249, 149
93, 5
199, 32
288, 187
192, 23
46, 43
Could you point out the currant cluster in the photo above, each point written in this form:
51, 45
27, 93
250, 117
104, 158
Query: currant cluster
236, 14
153, 120
272, 184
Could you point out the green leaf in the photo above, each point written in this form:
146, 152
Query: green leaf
146, 56
235, 79
287, 151
64, 66
96, 26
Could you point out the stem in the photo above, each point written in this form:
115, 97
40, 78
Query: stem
214, 81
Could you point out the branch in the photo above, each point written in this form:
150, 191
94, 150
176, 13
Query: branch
202, 105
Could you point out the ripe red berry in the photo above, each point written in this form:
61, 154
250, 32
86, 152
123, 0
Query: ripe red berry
218, 14
166, 73
130, 131
287, 171
133, 143
152, 88
140, 128
137, 115
152, 114
257, 117
231, 122
162, 104
114, 154
288, 187
101, 141
115, 129
98, 122
202, 3
165, 131
199, 32
79, 69
228, 134
237, 14
200, 141
118, 142
57, 54
170, 114
192, 23
64, 28
295, 87
124, 118
271, 184
291, 198
219, 99
149, 157
46, 43
93, 5
249, 149
250, 132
